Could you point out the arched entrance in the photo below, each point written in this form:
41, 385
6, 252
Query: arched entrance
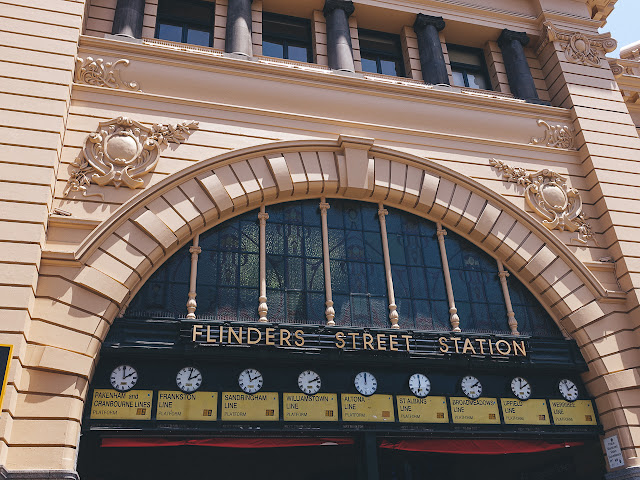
326, 375
149, 229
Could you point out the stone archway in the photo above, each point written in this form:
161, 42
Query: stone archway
77, 301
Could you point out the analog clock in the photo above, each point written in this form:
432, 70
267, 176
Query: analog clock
189, 379
365, 383
250, 380
309, 382
419, 385
124, 378
521, 388
568, 390
471, 387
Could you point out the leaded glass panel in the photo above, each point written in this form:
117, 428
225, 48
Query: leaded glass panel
295, 271
358, 278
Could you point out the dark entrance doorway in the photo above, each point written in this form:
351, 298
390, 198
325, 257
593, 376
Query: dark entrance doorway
361, 460
584, 462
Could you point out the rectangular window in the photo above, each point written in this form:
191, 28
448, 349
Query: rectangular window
381, 53
186, 21
468, 67
286, 37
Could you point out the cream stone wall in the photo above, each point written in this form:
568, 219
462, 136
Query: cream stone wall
274, 131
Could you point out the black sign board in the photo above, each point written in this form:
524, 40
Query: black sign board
5, 361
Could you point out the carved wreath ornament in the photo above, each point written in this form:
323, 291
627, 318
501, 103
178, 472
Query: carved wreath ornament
548, 194
120, 152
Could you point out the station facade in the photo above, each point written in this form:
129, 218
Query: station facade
353, 239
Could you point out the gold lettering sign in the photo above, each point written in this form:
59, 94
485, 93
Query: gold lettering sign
321, 407
358, 408
480, 411
113, 405
482, 346
199, 406
579, 412
531, 412
241, 407
422, 410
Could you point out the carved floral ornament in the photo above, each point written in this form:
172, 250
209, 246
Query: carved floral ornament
555, 136
120, 152
548, 194
578, 47
103, 74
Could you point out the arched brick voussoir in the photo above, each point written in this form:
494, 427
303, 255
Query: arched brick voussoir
151, 226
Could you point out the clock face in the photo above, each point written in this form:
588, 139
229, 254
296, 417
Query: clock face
250, 380
309, 382
568, 390
365, 383
419, 385
189, 379
124, 378
521, 388
471, 387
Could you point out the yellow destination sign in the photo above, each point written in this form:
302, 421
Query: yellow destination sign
241, 407
321, 407
113, 405
579, 412
199, 406
530, 412
422, 410
482, 410
376, 408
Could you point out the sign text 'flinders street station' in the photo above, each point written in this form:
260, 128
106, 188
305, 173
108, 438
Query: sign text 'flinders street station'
304, 337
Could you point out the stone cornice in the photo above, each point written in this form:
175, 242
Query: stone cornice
314, 75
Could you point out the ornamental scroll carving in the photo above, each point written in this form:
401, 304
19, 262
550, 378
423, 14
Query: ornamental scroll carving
548, 194
578, 47
555, 136
97, 72
120, 152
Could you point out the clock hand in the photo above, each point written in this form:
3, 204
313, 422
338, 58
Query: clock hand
129, 375
124, 371
254, 378
477, 383
317, 379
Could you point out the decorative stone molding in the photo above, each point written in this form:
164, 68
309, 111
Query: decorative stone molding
37, 474
578, 47
548, 194
120, 152
97, 72
555, 136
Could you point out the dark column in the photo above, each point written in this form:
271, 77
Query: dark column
339, 49
128, 18
515, 62
238, 38
434, 68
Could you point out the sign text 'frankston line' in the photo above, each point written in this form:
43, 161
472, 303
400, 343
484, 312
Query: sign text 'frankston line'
353, 340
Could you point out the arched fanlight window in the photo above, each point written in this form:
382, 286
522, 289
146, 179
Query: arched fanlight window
228, 274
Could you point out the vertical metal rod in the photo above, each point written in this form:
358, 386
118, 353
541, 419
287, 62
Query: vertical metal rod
194, 250
503, 274
453, 311
330, 313
393, 312
262, 306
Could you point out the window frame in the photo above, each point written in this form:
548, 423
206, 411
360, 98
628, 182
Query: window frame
467, 67
399, 61
289, 39
185, 24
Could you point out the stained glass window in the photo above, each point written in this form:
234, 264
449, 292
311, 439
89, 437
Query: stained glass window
229, 274
295, 273
357, 268
476, 287
416, 266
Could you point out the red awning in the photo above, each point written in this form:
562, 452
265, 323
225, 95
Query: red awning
226, 442
475, 447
